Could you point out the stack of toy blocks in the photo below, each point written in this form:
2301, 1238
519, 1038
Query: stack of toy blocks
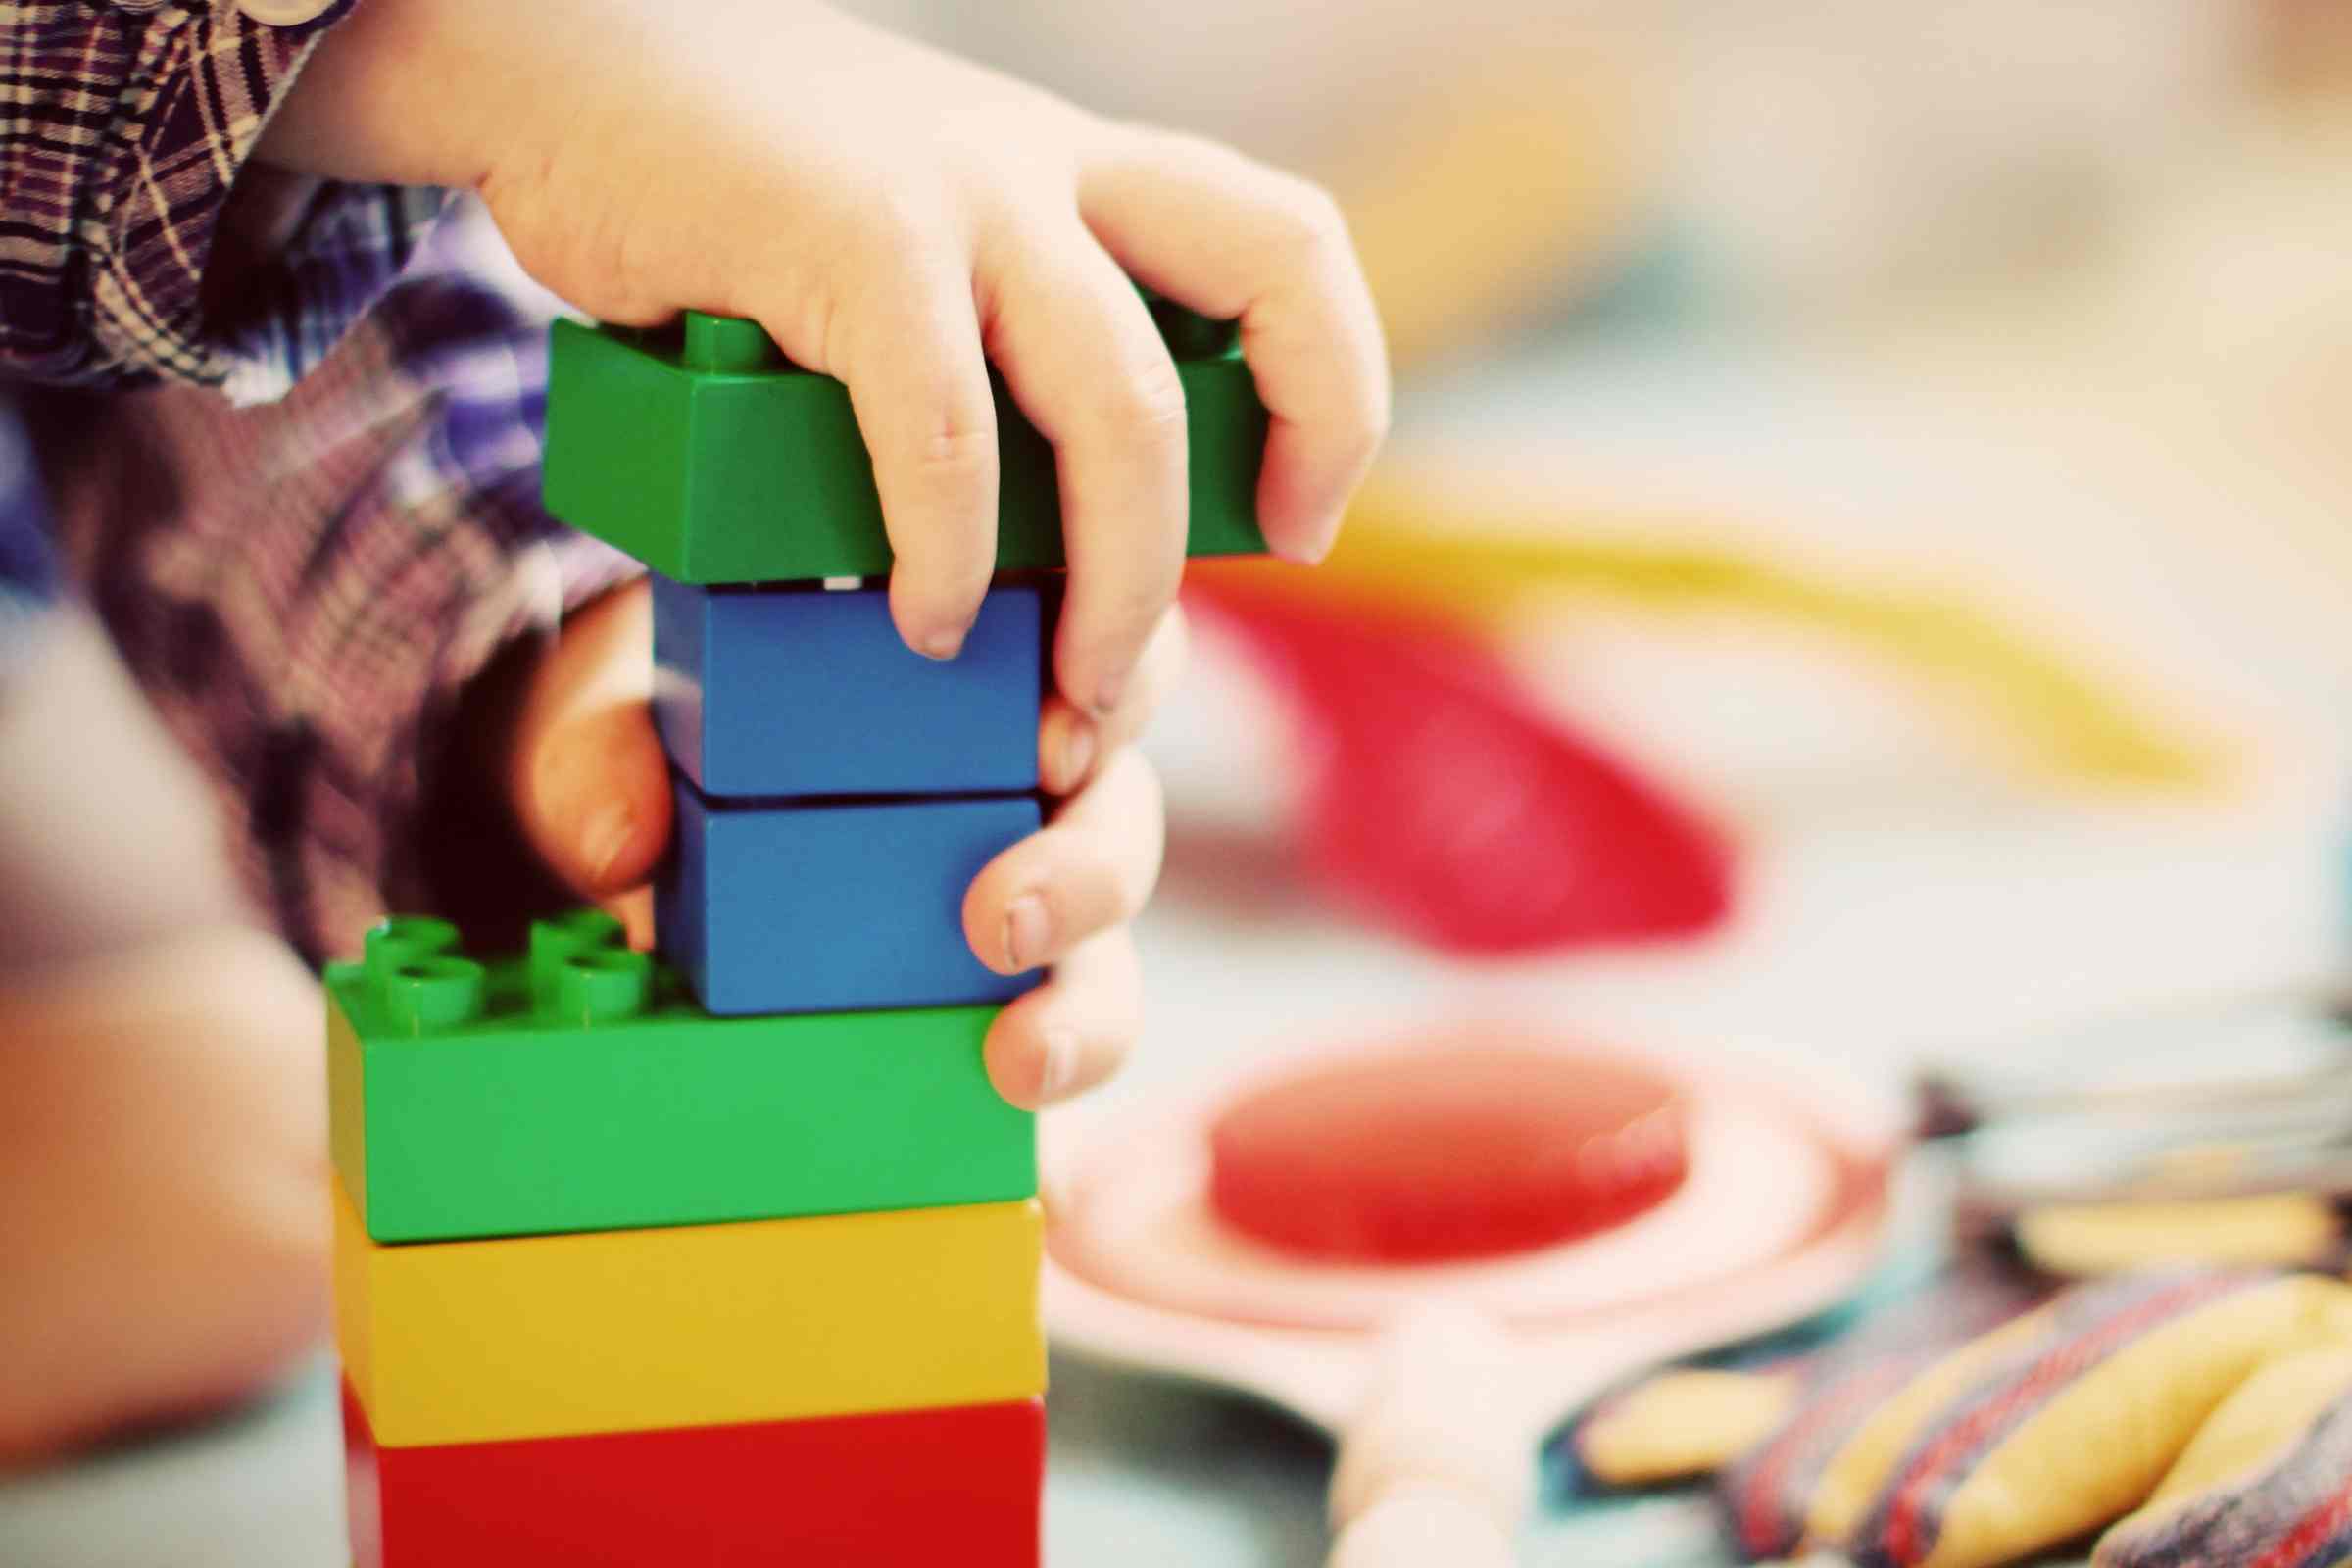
731, 1256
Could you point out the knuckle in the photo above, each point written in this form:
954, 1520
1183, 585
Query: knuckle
1318, 227
1144, 412
953, 449
946, 469
952, 442
885, 218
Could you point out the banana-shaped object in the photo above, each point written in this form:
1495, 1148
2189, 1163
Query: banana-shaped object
1405, 545
2209, 1410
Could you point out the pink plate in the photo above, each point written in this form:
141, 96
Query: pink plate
1782, 1215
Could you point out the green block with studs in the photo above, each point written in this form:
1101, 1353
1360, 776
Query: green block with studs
577, 1087
700, 451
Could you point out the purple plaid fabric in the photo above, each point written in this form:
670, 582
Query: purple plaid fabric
122, 142
306, 573
27, 567
306, 588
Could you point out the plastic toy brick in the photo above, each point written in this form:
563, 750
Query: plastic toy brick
831, 907
582, 1088
911, 1489
793, 691
696, 1325
701, 452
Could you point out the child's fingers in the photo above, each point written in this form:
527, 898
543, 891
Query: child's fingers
1077, 347
1070, 742
1090, 868
1229, 237
586, 776
906, 340
1073, 1031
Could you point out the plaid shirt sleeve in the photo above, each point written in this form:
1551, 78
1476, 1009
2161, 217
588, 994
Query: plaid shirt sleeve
306, 590
27, 565
129, 123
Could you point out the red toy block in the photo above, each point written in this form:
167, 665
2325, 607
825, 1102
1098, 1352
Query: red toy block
908, 1489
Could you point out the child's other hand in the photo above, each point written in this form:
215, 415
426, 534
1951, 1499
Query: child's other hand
162, 1182
896, 218
584, 773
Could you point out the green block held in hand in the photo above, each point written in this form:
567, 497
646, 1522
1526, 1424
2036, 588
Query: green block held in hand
701, 452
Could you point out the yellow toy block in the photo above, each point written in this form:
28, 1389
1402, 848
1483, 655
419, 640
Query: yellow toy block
700, 1325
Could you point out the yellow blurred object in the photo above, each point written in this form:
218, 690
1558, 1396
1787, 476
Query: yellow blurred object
699, 1325
2277, 1229
2267, 1414
2103, 1440
1683, 1424
1853, 1479
1504, 190
1403, 545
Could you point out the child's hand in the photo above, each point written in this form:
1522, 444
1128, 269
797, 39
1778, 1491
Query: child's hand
584, 773
891, 216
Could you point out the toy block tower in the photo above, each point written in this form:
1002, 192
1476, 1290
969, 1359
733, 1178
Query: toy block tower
728, 1255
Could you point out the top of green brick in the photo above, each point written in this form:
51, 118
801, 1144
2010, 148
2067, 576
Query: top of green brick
577, 1086
417, 979
703, 451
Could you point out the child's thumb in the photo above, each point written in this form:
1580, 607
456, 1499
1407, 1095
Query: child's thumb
586, 776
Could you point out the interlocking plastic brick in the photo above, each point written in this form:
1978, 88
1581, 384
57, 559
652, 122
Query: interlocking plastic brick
911, 1489
690, 1326
831, 907
793, 691
702, 453
580, 1088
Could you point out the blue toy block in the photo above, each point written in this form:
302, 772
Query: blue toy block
783, 907
799, 691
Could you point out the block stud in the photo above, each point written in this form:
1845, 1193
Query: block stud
555, 942
425, 996
605, 986
404, 939
729, 345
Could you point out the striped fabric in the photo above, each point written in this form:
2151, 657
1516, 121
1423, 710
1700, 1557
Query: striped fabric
2293, 1511
1766, 1498
124, 134
2087, 1326
304, 589
27, 565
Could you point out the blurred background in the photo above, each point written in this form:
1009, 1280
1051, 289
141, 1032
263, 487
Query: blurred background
1908, 448
1911, 440
1860, 571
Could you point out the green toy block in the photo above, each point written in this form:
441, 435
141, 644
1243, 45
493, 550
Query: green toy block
704, 454
577, 1087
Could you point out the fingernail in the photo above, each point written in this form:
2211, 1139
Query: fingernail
1026, 931
1106, 696
1059, 1071
1077, 753
607, 837
942, 645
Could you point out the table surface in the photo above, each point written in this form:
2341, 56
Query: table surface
1903, 888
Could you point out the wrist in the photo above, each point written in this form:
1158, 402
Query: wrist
388, 96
